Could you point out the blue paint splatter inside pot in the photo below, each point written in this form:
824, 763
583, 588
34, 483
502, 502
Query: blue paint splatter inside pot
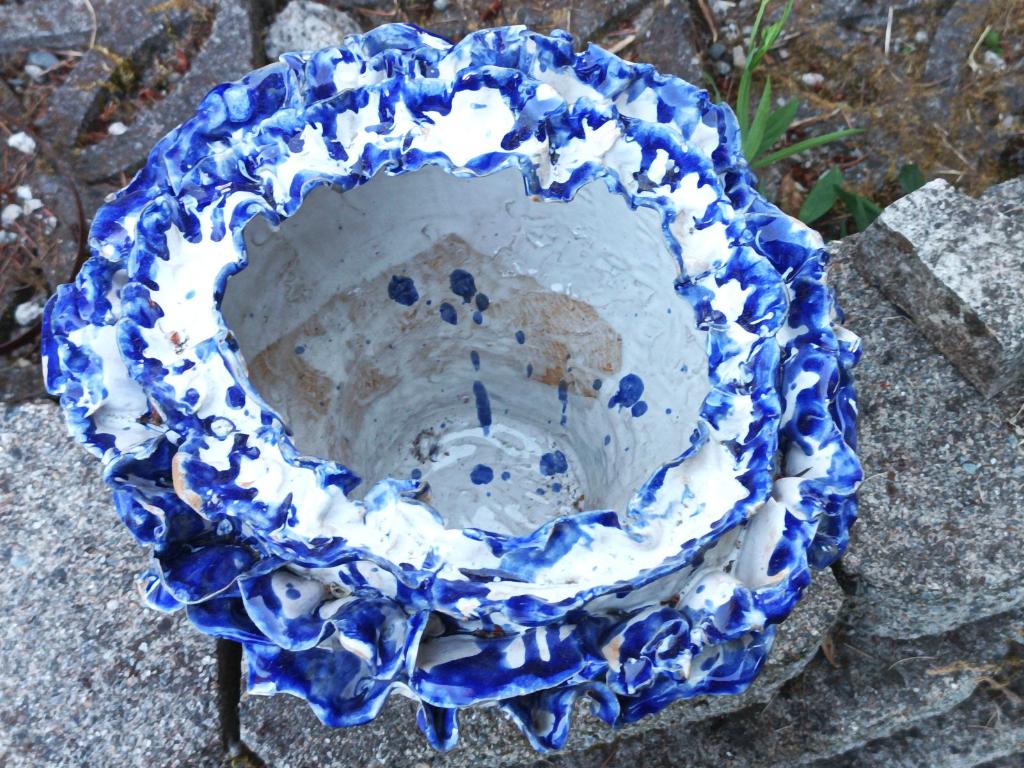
448, 313
481, 474
403, 290
462, 284
553, 463
631, 388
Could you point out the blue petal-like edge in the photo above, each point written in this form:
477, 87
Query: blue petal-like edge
325, 617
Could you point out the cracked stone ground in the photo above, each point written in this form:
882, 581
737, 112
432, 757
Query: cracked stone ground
910, 656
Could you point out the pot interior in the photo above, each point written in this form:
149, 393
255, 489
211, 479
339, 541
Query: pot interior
525, 359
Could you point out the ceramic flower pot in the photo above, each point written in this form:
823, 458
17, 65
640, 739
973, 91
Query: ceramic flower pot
476, 373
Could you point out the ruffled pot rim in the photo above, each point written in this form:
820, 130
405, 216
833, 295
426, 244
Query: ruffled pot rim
144, 344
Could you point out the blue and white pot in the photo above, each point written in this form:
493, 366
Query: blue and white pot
478, 373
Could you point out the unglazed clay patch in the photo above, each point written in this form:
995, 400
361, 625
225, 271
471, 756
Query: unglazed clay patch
442, 436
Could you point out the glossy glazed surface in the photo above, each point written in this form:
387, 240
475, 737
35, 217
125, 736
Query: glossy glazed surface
344, 590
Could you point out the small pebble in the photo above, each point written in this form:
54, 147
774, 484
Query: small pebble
43, 59
440, 5
723, 67
22, 142
116, 129
32, 204
27, 313
994, 60
34, 73
716, 51
7, 237
739, 57
23, 191
812, 79
921, 36
10, 214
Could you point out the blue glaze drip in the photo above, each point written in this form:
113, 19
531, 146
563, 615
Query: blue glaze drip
529, 370
483, 406
299, 350
563, 398
416, 474
462, 284
474, 358
520, 337
478, 318
631, 388
553, 463
639, 409
448, 313
235, 396
482, 302
597, 384
506, 475
481, 474
403, 290
556, 487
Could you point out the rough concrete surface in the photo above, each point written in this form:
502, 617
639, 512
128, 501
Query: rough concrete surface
955, 265
52, 23
941, 514
88, 677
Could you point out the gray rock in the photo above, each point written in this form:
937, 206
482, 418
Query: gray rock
87, 675
941, 518
952, 43
954, 264
665, 39
44, 23
284, 732
986, 729
230, 51
877, 688
304, 25
1008, 197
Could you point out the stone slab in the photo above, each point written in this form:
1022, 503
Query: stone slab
230, 51
956, 266
45, 24
305, 25
285, 733
985, 731
875, 689
129, 31
88, 677
941, 519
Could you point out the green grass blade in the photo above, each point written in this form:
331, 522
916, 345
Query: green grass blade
757, 25
743, 102
778, 123
863, 210
822, 197
755, 136
713, 85
800, 146
911, 178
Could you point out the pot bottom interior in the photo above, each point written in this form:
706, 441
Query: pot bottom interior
524, 359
